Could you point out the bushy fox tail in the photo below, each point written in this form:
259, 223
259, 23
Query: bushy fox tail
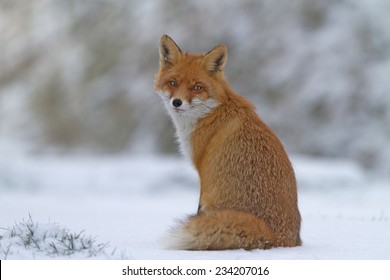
221, 230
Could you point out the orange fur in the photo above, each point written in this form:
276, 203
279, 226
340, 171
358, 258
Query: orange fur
248, 196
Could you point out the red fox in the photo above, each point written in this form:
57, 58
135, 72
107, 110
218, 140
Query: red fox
248, 194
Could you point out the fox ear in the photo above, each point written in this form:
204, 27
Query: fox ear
170, 53
215, 60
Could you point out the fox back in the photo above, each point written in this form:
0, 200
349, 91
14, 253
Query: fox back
248, 196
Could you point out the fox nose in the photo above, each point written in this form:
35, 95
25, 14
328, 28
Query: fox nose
177, 103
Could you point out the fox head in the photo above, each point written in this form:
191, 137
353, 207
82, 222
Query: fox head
190, 84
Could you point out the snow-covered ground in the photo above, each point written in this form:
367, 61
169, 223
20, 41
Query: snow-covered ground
130, 202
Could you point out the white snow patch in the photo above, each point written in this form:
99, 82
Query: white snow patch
130, 203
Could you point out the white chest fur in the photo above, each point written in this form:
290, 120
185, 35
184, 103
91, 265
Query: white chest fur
185, 122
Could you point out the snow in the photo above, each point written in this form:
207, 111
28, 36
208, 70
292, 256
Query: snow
78, 79
130, 202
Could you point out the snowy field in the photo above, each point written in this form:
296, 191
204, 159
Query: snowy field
119, 208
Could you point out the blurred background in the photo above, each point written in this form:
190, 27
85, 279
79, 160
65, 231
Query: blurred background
76, 77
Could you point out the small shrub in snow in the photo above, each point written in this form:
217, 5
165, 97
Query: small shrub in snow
30, 239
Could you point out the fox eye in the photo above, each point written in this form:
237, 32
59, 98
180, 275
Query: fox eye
197, 88
172, 83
